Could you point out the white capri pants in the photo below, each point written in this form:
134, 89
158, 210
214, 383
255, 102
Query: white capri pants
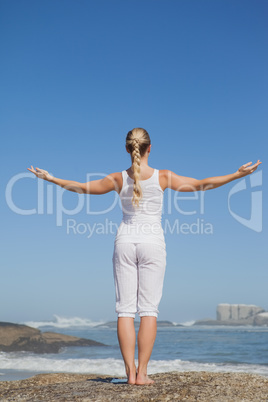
139, 270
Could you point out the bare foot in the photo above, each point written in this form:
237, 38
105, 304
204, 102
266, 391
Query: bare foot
131, 375
143, 380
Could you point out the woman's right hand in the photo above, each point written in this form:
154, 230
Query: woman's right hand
41, 173
246, 169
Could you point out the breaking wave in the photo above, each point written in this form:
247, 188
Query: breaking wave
63, 322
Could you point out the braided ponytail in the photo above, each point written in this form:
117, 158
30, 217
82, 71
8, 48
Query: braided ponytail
137, 191
137, 142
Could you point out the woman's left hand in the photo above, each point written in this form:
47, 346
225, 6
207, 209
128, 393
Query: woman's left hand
41, 173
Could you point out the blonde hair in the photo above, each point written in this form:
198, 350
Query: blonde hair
137, 142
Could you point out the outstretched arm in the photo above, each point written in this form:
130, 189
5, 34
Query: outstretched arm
101, 186
182, 183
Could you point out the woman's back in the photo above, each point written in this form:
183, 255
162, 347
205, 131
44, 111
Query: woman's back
141, 223
145, 172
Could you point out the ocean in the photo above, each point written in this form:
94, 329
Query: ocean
177, 348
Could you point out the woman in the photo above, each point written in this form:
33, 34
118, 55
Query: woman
139, 257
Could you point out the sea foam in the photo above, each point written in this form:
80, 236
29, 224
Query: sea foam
115, 367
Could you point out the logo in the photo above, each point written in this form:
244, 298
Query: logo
255, 220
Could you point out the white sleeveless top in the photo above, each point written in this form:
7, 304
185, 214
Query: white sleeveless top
141, 224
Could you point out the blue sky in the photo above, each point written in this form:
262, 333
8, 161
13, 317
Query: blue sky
76, 76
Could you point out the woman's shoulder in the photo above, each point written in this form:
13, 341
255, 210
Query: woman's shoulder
164, 175
163, 172
117, 177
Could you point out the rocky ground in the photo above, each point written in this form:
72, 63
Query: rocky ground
187, 386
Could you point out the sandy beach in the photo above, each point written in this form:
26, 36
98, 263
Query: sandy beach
175, 386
